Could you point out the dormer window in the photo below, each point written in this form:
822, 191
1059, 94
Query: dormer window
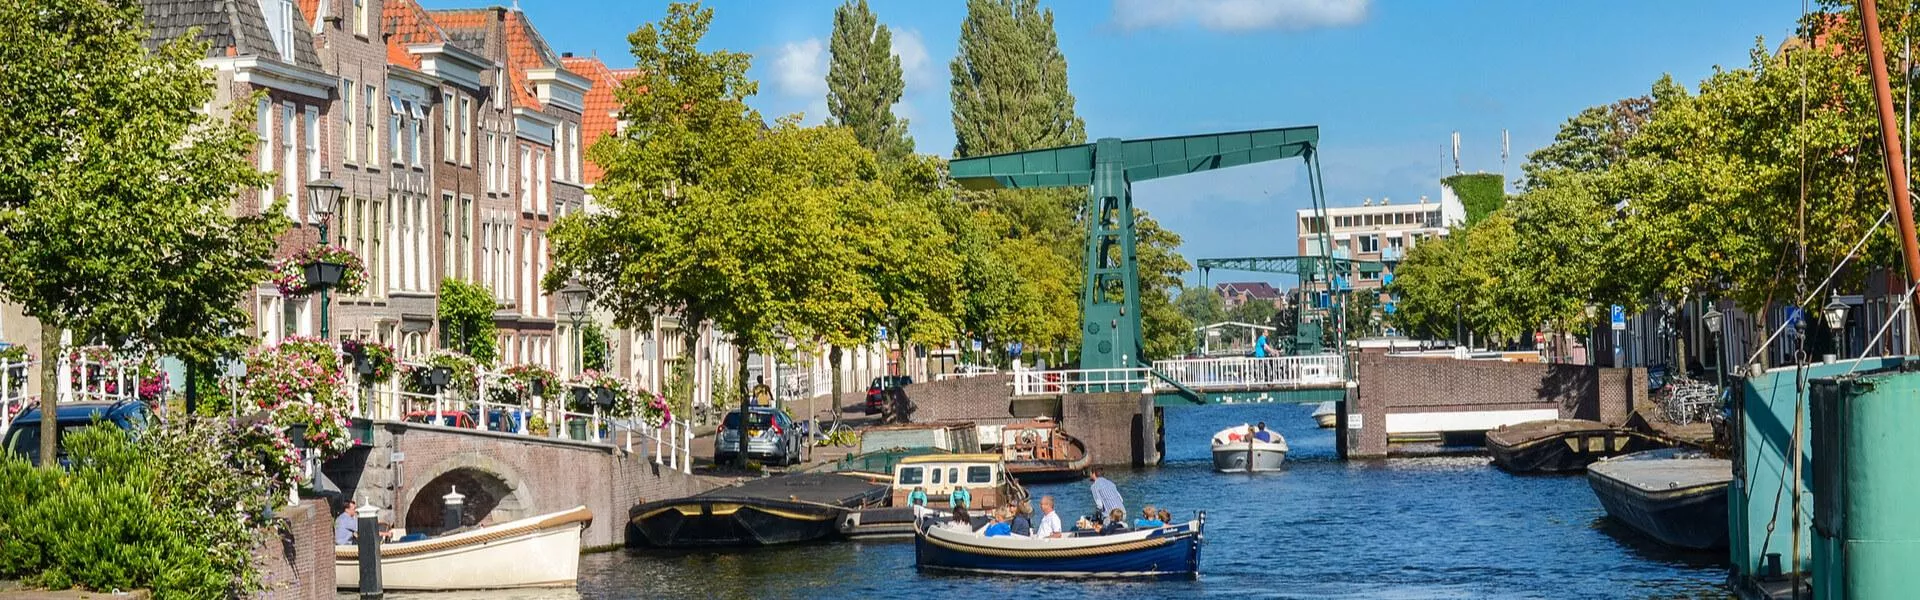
279, 16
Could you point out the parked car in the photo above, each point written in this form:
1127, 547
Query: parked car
772, 437
445, 418
23, 436
884, 389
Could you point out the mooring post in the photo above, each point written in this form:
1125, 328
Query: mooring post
369, 516
451, 516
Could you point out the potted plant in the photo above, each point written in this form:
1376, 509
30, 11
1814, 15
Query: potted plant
320, 267
373, 361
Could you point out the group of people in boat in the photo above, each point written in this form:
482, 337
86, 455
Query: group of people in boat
1018, 520
1259, 433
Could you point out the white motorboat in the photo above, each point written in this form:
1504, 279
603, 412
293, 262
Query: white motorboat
541, 551
1325, 415
1246, 449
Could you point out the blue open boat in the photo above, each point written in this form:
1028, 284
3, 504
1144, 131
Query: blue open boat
1171, 552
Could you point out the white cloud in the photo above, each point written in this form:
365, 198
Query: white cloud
1239, 15
801, 69
916, 68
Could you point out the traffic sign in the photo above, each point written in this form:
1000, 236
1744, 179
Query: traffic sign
1619, 316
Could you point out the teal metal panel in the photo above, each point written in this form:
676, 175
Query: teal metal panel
1766, 431
1053, 167
1869, 426
1291, 265
1145, 159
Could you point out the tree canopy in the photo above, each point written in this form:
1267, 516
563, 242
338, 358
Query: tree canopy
864, 81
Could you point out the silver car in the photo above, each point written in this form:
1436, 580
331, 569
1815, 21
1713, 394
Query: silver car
772, 437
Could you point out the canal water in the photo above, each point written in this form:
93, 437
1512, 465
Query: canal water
1438, 527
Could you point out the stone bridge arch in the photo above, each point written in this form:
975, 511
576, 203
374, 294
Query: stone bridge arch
495, 492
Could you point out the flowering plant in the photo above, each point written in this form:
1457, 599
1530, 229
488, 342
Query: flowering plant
464, 382
658, 413
299, 369
325, 426
290, 274
154, 387
519, 380
15, 354
262, 449
379, 355
591, 378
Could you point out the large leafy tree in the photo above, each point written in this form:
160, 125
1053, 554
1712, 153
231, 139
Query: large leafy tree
116, 187
864, 81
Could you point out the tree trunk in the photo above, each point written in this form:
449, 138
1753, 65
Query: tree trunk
746, 396
50, 353
834, 355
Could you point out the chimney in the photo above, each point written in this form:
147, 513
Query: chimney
566, 55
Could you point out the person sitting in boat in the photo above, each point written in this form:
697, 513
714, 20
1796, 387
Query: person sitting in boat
961, 498
346, 527
1000, 525
961, 522
1022, 523
1106, 496
1116, 522
1166, 517
1260, 433
1149, 518
918, 497
1049, 522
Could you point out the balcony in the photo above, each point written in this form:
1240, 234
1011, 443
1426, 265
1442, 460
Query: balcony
1393, 254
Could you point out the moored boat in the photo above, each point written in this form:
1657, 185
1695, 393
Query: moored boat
762, 512
541, 551
935, 477
1246, 449
1677, 496
1564, 445
1325, 415
1170, 552
1039, 450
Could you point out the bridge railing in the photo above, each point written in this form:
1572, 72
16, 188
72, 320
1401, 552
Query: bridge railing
670, 443
966, 373
1249, 372
13, 389
1082, 381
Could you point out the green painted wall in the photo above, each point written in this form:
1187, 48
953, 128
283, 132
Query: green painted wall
1868, 431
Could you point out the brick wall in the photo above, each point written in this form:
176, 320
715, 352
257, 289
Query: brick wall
295, 554
1118, 428
1411, 384
969, 399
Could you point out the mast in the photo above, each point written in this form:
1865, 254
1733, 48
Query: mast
1890, 138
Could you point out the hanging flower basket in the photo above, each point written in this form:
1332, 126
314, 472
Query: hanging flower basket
372, 360
523, 382
320, 267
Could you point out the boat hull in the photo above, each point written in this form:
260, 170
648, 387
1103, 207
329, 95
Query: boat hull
1047, 471
1261, 458
1167, 553
1690, 514
1568, 452
541, 551
703, 522
1326, 421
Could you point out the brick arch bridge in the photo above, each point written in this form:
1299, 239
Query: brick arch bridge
408, 467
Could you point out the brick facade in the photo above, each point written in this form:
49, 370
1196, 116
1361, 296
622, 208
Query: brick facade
295, 553
1393, 384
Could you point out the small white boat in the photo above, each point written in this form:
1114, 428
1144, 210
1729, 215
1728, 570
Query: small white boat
1244, 449
1324, 415
541, 551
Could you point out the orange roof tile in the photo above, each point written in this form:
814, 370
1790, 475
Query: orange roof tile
308, 9
600, 117
525, 51
407, 24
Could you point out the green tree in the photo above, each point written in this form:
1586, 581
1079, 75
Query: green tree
1009, 86
116, 188
1200, 305
465, 311
1165, 331
1479, 193
593, 347
864, 81
1590, 142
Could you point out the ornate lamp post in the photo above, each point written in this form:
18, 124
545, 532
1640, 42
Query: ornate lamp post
322, 195
1714, 321
1836, 315
577, 299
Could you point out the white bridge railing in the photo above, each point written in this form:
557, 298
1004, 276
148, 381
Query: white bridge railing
1198, 374
1247, 373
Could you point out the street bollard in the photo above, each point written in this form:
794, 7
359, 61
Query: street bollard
450, 516
369, 516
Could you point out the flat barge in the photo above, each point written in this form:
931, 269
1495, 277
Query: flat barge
762, 512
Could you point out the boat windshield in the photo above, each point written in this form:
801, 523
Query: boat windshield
980, 474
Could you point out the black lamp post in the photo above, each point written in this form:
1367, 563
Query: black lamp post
577, 299
322, 195
1835, 313
1714, 320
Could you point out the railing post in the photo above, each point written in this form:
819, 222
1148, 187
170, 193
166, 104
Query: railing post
593, 426
686, 461
658, 445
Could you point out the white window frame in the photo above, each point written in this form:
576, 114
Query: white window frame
466, 131
361, 16
347, 98
265, 120
371, 106
290, 159
394, 131
312, 117
526, 179
541, 204
447, 122
415, 126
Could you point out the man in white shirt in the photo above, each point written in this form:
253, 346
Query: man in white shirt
1049, 522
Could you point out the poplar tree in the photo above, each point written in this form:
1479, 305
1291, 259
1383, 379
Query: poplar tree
864, 81
1010, 82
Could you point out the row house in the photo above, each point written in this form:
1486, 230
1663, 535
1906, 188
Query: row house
456, 136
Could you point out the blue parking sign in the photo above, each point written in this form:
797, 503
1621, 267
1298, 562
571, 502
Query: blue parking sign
1619, 317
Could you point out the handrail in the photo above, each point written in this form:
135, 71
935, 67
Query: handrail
1189, 377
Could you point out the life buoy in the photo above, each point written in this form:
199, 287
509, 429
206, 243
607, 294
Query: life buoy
1029, 438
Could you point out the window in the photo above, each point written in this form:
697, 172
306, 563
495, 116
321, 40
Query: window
264, 120
268, 312
359, 17
347, 96
278, 15
1369, 243
573, 154
414, 126
541, 274
526, 269
980, 474
953, 475
936, 475
376, 233
466, 131
289, 160
560, 152
447, 122
447, 248
540, 204
370, 106
526, 179
493, 180
464, 258
395, 146
312, 123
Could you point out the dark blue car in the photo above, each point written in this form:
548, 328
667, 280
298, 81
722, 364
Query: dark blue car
23, 436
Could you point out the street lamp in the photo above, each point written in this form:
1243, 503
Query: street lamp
322, 195
1714, 320
1836, 313
576, 297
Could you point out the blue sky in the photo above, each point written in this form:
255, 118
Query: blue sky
1386, 81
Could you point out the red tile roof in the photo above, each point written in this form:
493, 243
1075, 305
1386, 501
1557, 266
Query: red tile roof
601, 116
407, 24
526, 51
